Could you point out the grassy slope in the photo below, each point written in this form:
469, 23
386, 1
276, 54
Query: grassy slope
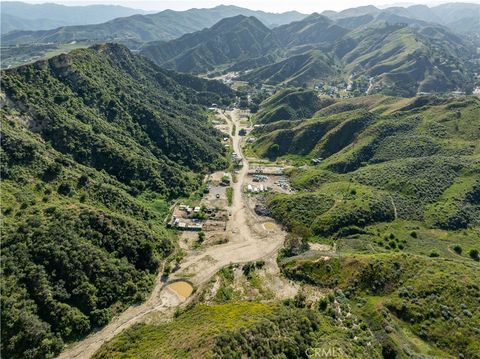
381, 155
411, 278
239, 329
190, 334
228, 41
298, 70
424, 305
378, 58
404, 61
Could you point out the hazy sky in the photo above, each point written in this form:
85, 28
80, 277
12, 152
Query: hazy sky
306, 6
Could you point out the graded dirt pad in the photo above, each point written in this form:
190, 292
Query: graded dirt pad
181, 288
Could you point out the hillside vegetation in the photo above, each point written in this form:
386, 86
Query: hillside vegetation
289, 105
414, 305
94, 145
383, 54
358, 305
231, 39
395, 192
18, 15
236, 330
394, 201
381, 158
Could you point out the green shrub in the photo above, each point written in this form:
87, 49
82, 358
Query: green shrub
201, 237
473, 253
458, 249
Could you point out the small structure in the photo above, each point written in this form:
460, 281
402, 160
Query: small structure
184, 226
316, 161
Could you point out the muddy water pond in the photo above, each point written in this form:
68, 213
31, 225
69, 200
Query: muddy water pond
181, 288
269, 226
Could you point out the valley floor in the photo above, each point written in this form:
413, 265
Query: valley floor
248, 240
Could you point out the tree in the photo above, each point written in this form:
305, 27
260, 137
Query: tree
201, 237
243, 104
457, 249
474, 254
296, 242
273, 150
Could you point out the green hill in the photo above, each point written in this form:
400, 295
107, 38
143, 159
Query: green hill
452, 15
314, 29
298, 70
382, 158
402, 61
230, 40
94, 145
414, 305
18, 15
289, 104
236, 329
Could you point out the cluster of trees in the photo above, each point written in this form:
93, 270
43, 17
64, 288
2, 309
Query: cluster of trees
94, 112
302, 209
63, 272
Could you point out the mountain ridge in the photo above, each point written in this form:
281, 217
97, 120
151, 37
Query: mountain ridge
376, 56
165, 25
18, 15
231, 39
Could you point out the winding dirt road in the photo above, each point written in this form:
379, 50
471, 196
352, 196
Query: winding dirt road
248, 241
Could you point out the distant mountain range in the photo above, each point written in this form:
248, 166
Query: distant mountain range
381, 54
61, 24
396, 50
451, 15
22, 16
165, 25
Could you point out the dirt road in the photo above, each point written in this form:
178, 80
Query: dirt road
248, 241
